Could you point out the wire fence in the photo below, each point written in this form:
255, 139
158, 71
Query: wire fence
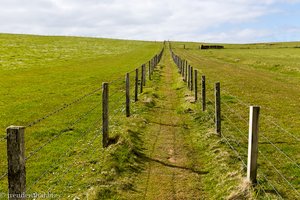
278, 166
60, 145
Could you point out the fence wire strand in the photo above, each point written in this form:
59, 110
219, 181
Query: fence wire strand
279, 173
280, 151
32, 153
62, 108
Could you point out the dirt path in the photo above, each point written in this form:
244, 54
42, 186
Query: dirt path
169, 171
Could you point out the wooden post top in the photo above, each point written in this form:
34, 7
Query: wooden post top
13, 127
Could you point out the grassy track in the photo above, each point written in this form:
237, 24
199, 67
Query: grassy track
169, 173
40, 74
265, 75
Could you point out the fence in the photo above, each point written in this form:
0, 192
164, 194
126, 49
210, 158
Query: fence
77, 128
260, 157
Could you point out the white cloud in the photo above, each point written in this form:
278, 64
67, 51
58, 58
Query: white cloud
133, 19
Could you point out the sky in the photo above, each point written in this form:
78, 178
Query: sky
227, 21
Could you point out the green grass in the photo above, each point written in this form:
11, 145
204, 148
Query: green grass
42, 73
221, 172
260, 74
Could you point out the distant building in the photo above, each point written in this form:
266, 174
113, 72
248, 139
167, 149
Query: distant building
211, 47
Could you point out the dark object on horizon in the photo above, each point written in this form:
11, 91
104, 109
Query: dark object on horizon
212, 47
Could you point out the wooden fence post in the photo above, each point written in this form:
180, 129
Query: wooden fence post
192, 79
181, 66
189, 76
142, 79
218, 108
127, 82
183, 71
153, 64
196, 84
136, 85
203, 92
105, 115
253, 144
149, 70
144, 74
186, 72
16, 162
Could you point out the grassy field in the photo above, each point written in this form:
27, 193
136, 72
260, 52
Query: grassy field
267, 75
65, 156
40, 74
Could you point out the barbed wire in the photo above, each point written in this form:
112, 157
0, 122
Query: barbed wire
255, 188
117, 79
269, 182
279, 173
279, 150
237, 128
286, 131
66, 152
293, 161
235, 112
121, 79
266, 117
88, 146
91, 154
85, 115
235, 150
236, 98
3, 175
61, 132
117, 114
62, 108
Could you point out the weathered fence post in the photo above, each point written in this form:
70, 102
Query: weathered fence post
192, 79
181, 66
183, 71
142, 79
186, 72
136, 85
105, 115
149, 70
144, 74
189, 77
253, 144
203, 92
127, 82
16, 162
218, 108
196, 85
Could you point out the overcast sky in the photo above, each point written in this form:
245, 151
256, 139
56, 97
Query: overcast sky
238, 21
